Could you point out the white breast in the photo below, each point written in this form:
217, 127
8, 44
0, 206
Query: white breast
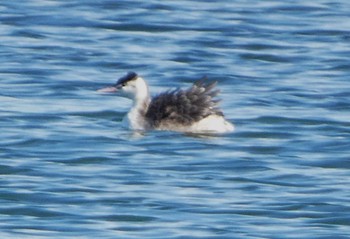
133, 121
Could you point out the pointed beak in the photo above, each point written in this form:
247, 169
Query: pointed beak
109, 89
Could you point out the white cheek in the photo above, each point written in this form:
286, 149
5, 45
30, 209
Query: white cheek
128, 91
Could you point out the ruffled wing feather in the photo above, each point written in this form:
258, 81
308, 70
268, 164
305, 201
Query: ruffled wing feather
184, 106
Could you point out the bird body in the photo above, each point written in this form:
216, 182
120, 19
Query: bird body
194, 110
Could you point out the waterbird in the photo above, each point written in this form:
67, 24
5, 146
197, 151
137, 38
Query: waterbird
192, 110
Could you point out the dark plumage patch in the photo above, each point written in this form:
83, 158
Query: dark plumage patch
125, 79
184, 106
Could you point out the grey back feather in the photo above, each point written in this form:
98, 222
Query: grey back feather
184, 106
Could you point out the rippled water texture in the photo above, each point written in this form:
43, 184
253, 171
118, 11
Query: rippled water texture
69, 169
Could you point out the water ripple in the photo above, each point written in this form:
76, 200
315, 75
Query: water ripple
70, 170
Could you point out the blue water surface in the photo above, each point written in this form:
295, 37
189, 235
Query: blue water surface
68, 169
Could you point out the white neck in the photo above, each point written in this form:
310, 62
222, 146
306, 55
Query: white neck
136, 116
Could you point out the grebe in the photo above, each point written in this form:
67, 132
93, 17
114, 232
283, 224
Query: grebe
193, 110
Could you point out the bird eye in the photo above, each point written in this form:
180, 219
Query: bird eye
119, 86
